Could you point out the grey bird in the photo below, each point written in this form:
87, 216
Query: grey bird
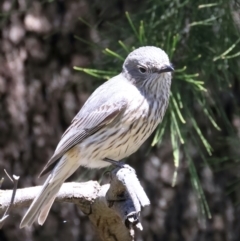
113, 123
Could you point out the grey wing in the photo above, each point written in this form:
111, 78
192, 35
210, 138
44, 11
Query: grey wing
84, 125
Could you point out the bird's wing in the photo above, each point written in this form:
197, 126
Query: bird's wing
83, 125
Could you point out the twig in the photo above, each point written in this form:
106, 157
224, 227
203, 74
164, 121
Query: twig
8, 175
15, 184
1, 182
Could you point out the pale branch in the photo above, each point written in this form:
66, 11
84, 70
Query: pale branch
126, 186
114, 208
14, 180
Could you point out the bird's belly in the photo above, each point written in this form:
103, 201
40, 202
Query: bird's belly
115, 144
127, 143
121, 139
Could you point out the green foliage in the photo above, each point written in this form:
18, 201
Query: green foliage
201, 41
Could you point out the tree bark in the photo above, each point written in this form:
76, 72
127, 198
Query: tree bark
112, 208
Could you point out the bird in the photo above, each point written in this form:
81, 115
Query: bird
113, 123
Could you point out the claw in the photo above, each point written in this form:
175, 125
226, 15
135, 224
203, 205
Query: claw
116, 163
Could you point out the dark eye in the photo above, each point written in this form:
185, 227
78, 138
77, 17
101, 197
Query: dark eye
142, 70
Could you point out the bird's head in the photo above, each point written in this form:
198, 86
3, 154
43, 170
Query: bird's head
147, 67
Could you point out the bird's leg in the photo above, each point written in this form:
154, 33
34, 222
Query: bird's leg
119, 164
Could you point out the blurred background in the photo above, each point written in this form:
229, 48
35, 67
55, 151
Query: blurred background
54, 53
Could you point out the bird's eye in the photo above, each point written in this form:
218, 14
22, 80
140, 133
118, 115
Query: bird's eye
142, 70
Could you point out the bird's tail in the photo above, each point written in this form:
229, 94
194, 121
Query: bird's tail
43, 202
41, 205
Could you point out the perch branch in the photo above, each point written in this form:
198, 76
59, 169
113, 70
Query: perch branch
114, 208
7, 211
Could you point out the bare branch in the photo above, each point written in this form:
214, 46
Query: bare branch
114, 208
8, 175
15, 184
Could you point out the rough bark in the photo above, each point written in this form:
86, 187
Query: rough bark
114, 208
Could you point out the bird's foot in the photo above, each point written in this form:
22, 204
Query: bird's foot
119, 164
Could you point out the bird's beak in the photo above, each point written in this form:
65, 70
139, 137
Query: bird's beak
166, 68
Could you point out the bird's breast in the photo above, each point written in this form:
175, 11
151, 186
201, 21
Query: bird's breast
135, 127
126, 135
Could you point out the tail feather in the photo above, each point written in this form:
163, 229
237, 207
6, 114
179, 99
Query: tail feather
42, 203
45, 210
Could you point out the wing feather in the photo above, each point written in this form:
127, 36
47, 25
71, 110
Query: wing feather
83, 125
